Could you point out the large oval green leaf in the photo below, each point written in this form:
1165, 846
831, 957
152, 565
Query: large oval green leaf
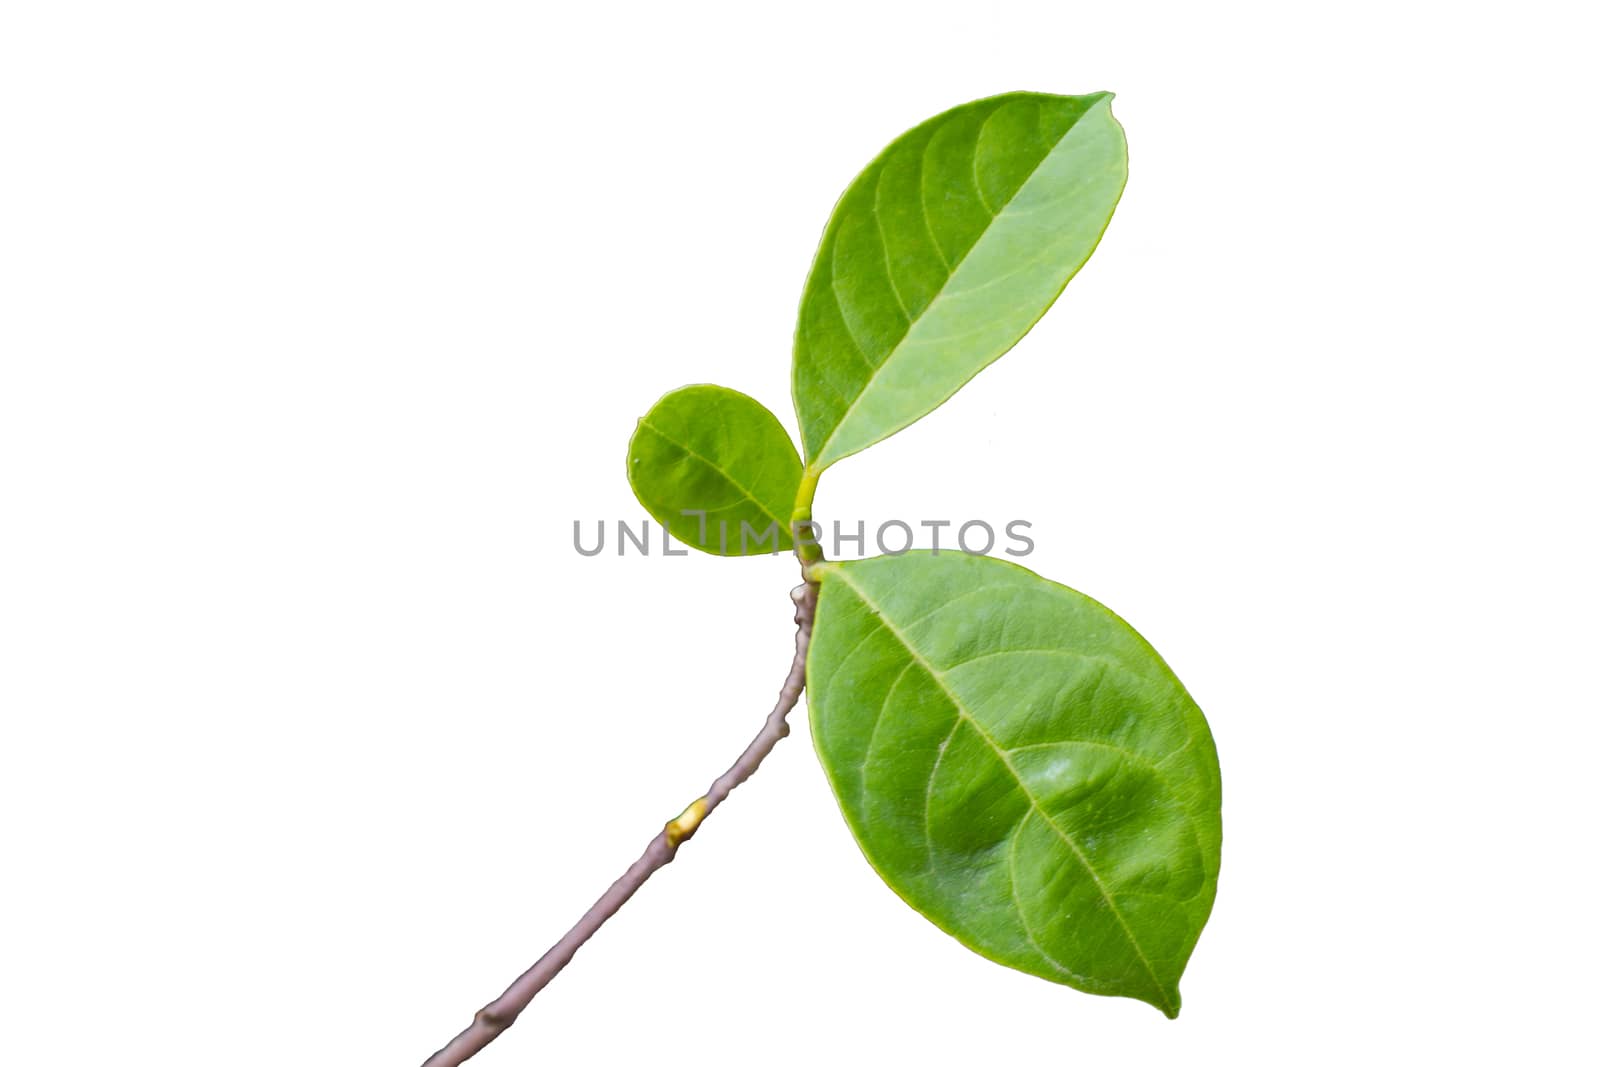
1020, 766
717, 469
942, 254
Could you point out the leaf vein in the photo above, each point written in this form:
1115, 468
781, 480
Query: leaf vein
849, 330
883, 242
872, 737
1022, 916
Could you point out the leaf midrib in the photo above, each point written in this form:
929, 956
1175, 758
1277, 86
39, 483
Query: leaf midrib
719, 470
1022, 787
951, 268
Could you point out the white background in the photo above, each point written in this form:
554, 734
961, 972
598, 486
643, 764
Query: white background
322, 322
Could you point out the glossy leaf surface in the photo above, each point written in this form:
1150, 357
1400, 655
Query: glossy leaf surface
1020, 766
942, 254
717, 469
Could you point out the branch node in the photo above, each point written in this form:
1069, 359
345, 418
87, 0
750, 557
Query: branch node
683, 827
492, 1020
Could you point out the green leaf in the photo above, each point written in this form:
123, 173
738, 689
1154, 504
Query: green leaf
717, 469
1020, 766
942, 254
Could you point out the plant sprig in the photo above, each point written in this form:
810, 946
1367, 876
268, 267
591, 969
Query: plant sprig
1014, 760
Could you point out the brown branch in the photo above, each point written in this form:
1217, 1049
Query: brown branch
499, 1014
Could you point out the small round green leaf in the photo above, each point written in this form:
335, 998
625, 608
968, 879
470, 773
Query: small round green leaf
717, 469
1020, 766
